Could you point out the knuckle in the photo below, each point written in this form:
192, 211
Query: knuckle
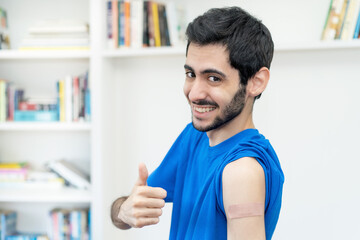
135, 213
137, 202
138, 223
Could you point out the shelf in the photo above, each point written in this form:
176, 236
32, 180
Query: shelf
43, 54
140, 52
61, 195
44, 126
317, 45
279, 47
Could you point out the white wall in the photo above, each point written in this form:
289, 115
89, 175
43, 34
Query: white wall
309, 112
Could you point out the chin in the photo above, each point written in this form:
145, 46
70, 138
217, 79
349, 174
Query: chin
203, 127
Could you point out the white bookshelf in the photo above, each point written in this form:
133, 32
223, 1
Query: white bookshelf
45, 126
143, 52
45, 195
316, 45
43, 54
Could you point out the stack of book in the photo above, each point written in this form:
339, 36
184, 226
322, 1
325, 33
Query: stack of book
57, 35
70, 173
343, 20
72, 103
4, 32
69, 224
140, 23
7, 223
19, 175
13, 172
73, 97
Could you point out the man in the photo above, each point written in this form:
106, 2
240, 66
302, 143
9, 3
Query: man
222, 175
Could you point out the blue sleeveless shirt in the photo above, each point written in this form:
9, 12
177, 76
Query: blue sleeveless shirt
191, 173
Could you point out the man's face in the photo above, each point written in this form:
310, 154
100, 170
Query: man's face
212, 87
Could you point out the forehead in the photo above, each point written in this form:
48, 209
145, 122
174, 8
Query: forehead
208, 56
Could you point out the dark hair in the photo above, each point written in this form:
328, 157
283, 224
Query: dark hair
247, 39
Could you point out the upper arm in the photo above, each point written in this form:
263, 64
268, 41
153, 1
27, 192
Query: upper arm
244, 183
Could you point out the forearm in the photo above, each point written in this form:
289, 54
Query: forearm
115, 209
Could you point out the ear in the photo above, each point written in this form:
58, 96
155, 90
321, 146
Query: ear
257, 84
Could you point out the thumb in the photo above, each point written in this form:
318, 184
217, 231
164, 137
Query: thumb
143, 175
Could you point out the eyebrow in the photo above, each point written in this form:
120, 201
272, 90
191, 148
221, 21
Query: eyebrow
210, 70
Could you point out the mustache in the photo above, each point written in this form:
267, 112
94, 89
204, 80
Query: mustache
205, 102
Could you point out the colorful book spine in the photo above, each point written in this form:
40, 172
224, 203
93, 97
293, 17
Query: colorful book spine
68, 99
127, 23
7, 223
36, 116
155, 15
350, 20
62, 100
72, 224
115, 23
340, 24
3, 101
122, 23
139, 23
109, 25
357, 27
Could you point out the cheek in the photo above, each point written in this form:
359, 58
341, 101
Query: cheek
186, 89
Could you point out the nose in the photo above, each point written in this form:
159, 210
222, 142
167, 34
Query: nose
196, 90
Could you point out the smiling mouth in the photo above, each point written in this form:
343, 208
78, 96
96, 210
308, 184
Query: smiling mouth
204, 109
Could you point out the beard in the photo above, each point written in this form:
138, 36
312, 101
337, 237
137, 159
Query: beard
232, 110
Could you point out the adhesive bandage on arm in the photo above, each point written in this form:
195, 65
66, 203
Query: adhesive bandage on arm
245, 210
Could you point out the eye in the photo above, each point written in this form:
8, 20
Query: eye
190, 74
214, 79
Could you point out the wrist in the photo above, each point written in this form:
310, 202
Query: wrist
116, 218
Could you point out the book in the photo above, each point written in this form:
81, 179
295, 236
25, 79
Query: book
13, 175
8, 220
57, 34
115, 23
136, 22
127, 23
145, 35
62, 100
340, 24
11, 89
13, 165
59, 26
36, 116
109, 33
150, 24
68, 99
357, 27
4, 31
3, 100
69, 224
155, 15
350, 20
121, 20
70, 173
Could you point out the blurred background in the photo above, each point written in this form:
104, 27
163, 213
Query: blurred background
308, 112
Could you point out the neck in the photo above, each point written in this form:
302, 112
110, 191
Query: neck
239, 123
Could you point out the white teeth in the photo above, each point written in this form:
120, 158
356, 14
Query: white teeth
202, 110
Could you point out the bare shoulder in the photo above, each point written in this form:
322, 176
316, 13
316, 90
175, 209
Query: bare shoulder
243, 182
243, 168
